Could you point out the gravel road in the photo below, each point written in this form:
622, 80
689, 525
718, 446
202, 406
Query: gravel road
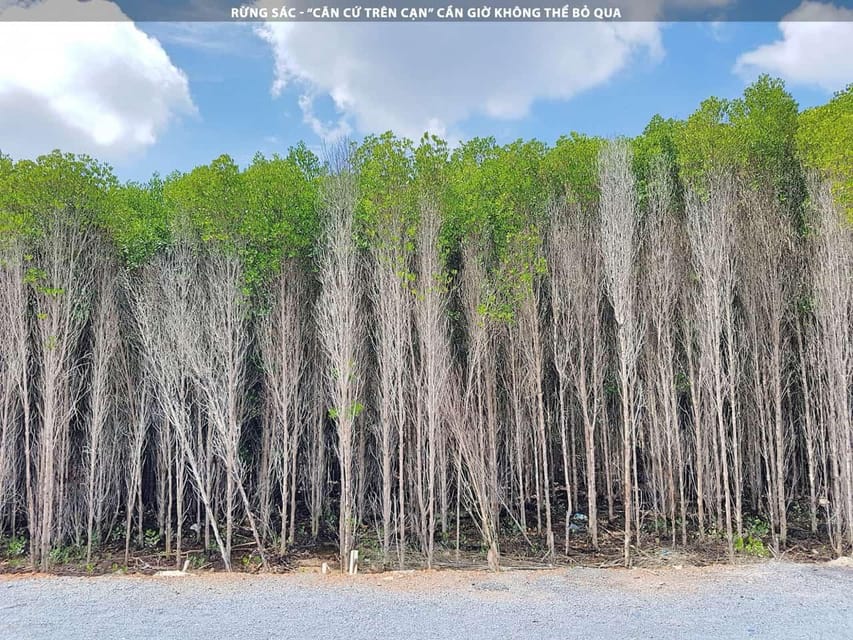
770, 600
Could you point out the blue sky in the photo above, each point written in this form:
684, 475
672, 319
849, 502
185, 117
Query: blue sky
175, 95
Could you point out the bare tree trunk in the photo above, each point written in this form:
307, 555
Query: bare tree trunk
340, 327
137, 397
14, 382
393, 337
619, 250
434, 366
530, 336
317, 445
105, 344
282, 335
663, 280
61, 288
218, 360
769, 285
809, 427
166, 295
710, 228
476, 430
578, 353
832, 275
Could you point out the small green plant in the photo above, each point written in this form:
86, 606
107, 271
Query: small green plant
151, 537
117, 534
757, 528
713, 532
90, 568
250, 560
751, 542
65, 555
750, 546
16, 546
330, 519
58, 555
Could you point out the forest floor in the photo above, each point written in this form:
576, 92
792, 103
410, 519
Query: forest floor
517, 552
71, 560
771, 599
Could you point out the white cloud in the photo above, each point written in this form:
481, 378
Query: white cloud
427, 76
816, 48
719, 31
209, 37
98, 87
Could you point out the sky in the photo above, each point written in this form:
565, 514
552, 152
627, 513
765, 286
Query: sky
156, 97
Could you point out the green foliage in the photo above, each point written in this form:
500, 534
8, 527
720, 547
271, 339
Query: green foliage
495, 196
656, 525
704, 142
282, 194
751, 542
67, 554
351, 412
431, 159
657, 143
469, 197
212, 198
682, 382
77, 186
151, 538
139, 220
754, 135
493, 192
265, 213
521, 264
250, 561
570, 169
764, 124
8, 221
117, 533
497, 199
385, 169
825, 143
14, 547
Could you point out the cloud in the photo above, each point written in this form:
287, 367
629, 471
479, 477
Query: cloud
719, 31
209, 37
412, 78
103, 88
816, 48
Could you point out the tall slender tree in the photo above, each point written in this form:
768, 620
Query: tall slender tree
619, 248
340, 324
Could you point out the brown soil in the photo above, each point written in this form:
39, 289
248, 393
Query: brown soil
516, 554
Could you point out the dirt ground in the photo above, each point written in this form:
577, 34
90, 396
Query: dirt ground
517, 552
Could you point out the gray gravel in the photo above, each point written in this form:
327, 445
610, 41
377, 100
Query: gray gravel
771, 600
